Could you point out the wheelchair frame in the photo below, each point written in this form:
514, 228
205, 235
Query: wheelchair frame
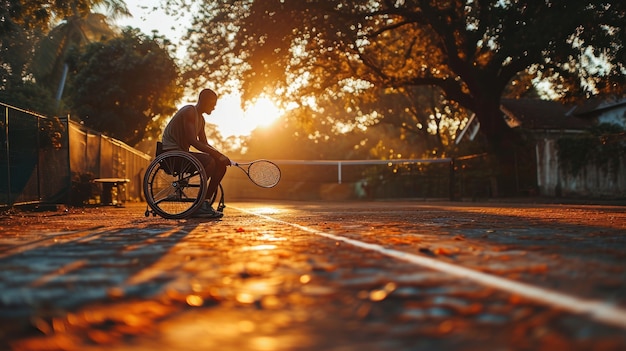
175, 185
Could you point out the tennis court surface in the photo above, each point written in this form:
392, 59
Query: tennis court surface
379, 275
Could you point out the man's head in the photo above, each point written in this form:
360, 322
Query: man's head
207, 101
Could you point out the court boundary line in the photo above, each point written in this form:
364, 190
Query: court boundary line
595, 309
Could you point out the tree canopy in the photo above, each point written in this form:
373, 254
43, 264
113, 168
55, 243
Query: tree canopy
126, 86
472, 51
123, 85
45, 13
35, 38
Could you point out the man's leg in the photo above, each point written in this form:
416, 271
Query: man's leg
209, 168
216, 177
214, 170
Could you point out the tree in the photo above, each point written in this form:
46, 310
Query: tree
17, 40
79, 26
426, 120
17, 88
50, 61
32, 62
42, 13
471, 50
17, 14
126, 87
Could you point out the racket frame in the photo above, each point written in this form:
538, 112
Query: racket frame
246, 170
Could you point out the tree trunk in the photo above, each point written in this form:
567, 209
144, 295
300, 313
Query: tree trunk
506, 145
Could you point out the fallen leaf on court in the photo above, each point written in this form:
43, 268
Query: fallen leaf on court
541, 268
516, 299
427, 251
115, 292
403, 241
442, 251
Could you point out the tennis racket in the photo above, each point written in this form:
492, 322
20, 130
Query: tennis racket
263, 173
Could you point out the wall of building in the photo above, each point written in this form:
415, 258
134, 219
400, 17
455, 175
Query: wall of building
592, 181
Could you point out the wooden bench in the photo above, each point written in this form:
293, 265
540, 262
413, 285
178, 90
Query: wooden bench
108, 184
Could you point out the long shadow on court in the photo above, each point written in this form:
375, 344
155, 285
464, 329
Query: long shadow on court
571, 236
51, 280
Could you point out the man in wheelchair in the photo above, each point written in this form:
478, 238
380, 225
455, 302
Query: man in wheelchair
186, 129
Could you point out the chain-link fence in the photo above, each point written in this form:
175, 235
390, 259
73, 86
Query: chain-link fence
54, 160
93, 155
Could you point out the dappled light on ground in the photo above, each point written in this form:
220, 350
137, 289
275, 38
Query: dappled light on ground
247, 283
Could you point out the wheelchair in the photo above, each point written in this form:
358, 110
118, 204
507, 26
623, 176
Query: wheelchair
175, 185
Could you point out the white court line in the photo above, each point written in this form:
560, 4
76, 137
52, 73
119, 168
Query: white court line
595, 309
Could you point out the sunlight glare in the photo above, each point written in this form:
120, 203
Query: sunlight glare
267, 210
232, 120
229, 117
263, 111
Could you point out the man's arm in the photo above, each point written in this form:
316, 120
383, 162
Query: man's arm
199, 140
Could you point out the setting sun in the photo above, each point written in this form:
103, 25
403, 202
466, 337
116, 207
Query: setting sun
232, 120
263, 112
229, 116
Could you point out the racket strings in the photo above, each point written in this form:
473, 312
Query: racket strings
264, 174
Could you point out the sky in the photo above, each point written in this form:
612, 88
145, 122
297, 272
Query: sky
148, 16
228, 115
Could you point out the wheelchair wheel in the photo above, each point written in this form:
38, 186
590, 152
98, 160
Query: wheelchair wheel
175, 184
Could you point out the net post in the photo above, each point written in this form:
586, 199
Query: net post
339, 172
451, 184
8, 154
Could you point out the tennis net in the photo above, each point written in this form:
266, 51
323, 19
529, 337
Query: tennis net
443, 178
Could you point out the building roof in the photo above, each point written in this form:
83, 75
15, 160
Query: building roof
536, 114
541, 114
592, 107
